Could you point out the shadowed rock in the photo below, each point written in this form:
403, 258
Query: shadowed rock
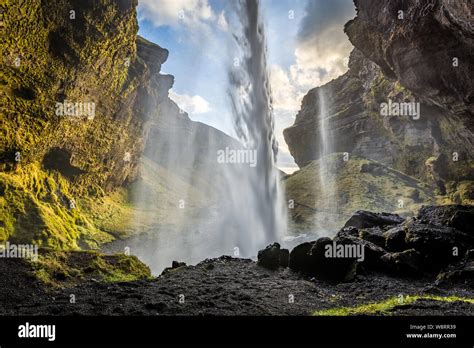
367, 219
312, 259
273, 257
406, 263
422, 246
460, 217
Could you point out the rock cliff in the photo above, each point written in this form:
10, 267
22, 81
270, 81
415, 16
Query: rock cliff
423, 54
82, 98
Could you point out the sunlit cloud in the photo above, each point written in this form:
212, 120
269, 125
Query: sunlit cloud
286, 95
321, 53
191, 104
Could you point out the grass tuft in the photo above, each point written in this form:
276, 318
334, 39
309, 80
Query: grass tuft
384, 307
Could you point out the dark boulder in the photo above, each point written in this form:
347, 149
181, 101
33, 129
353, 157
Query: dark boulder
460, 217
300, 258
327, 264
470, 254
284, 258
174, 265
367, 219
270, 256
312, 259
273, 257
440, 245
388, 243
408, 263
373, 235
395, 239
371, 251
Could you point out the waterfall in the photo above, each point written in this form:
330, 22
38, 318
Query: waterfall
251, 100
229, 191
325, 141
325, 206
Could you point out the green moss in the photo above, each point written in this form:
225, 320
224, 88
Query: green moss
36, 208
52, 52
380, 88
384, 307
64, 269
121, 268
81, 59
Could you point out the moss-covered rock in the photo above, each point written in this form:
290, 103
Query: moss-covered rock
81, 52
68, 268
73, 181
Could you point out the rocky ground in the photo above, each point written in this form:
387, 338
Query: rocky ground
228, 286
289, 284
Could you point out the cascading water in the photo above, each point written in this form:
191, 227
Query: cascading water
325, 204
251, 101
325, 142
228, 207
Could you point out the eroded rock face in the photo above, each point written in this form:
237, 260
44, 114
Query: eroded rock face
416, 43
78, 60
409, 60
96, 58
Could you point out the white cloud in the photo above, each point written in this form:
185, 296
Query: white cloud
321, 54
321, 58
285, 92
191, 104
286, 103
175, 13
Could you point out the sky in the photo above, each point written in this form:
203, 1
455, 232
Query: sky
306, 48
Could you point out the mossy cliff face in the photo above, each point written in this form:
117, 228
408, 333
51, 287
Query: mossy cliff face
80, 94
358, 183
59, 52
79, 52
407, 60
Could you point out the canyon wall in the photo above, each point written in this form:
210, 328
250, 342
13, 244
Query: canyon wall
422, 54
82, 98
